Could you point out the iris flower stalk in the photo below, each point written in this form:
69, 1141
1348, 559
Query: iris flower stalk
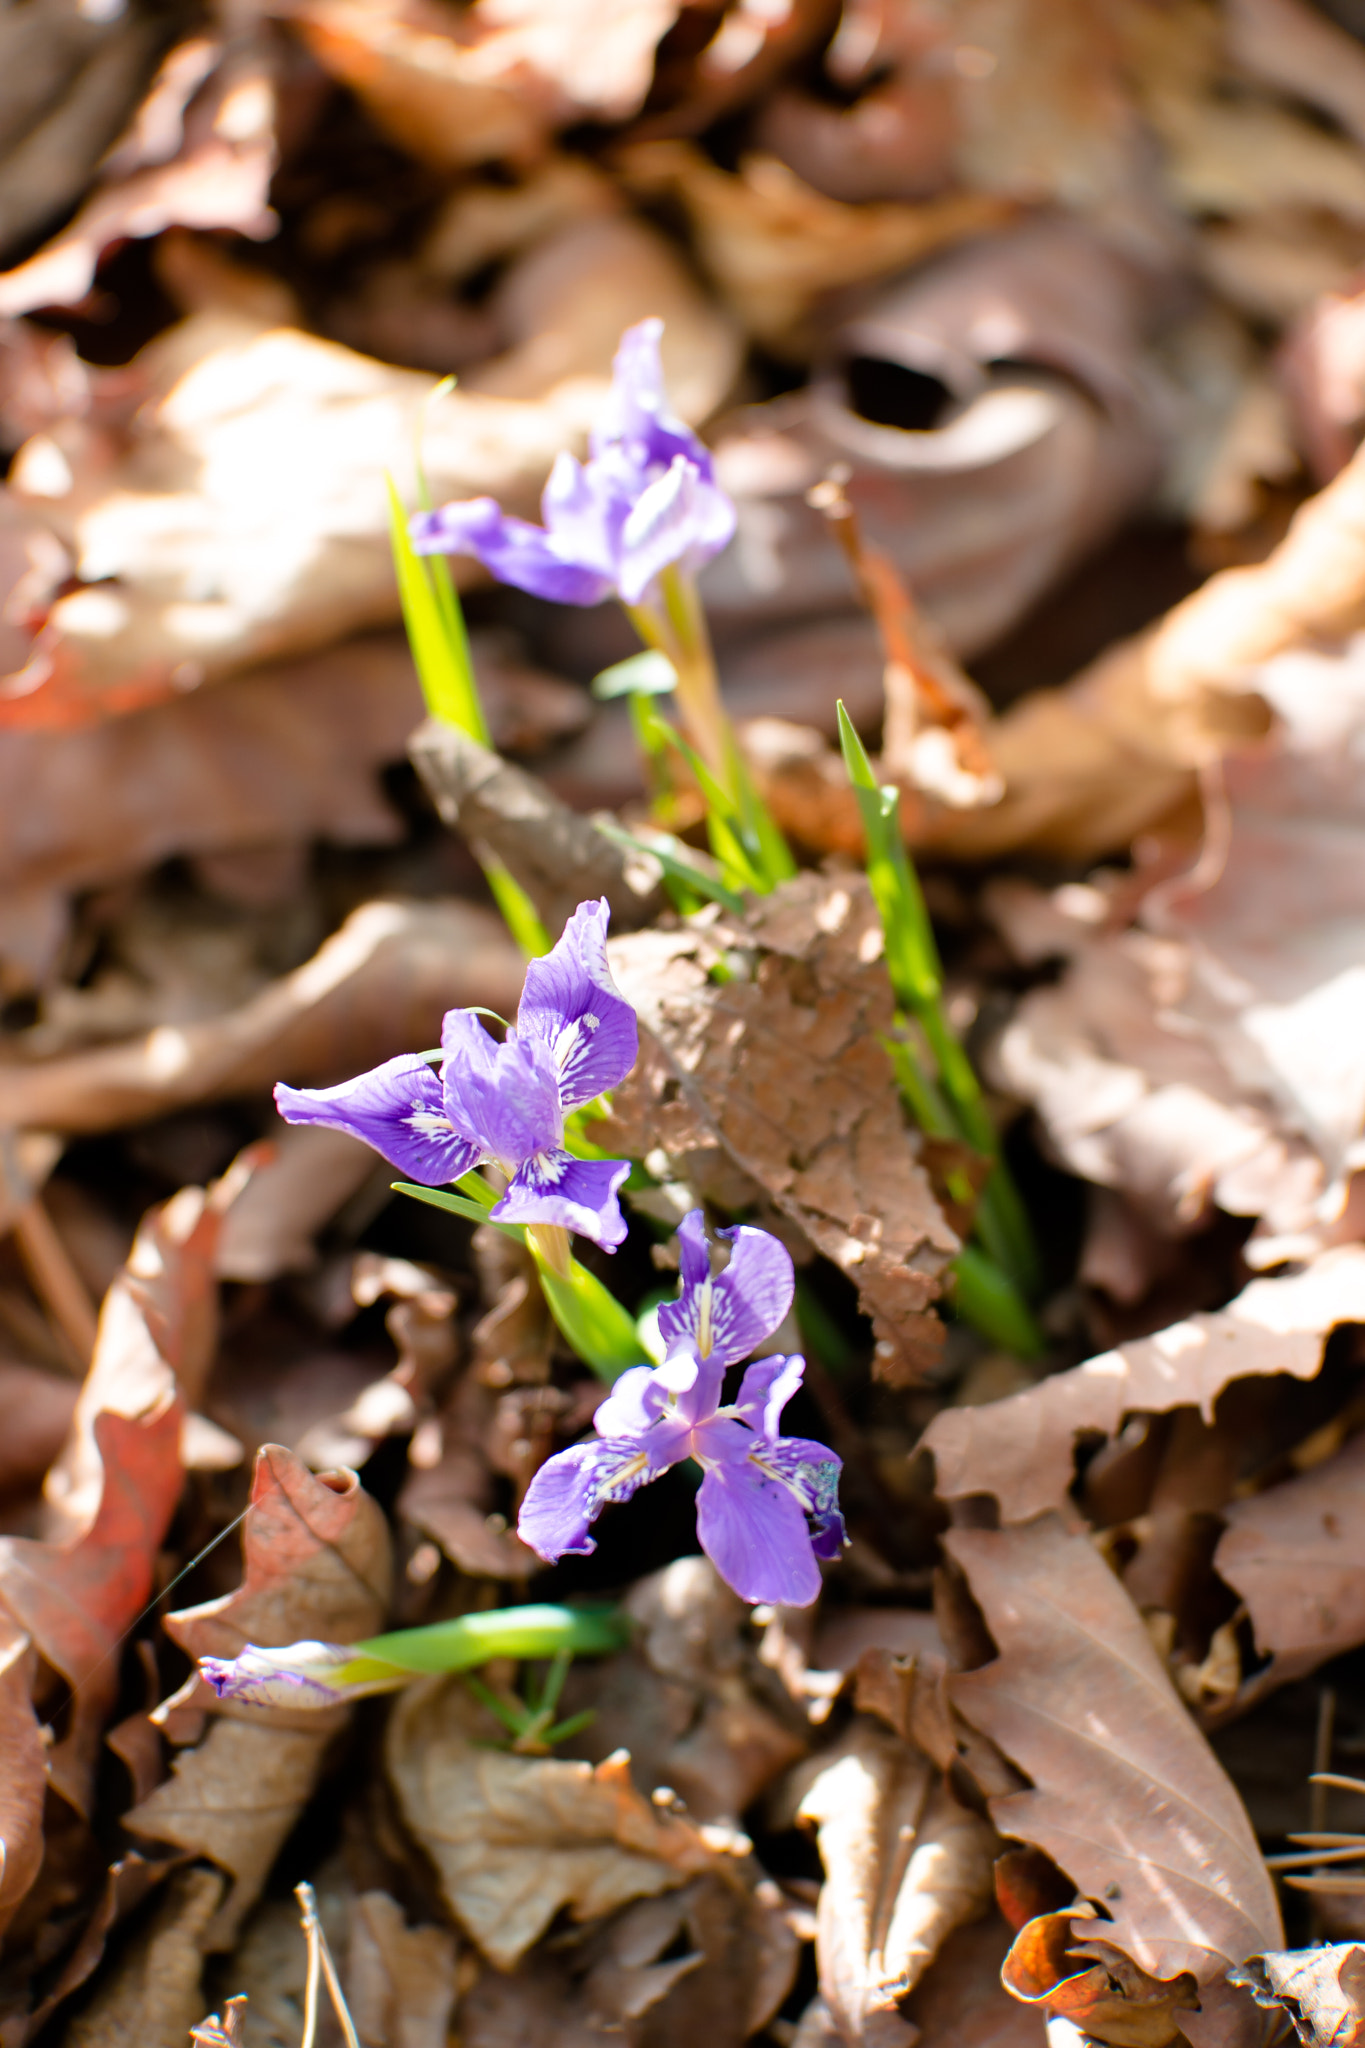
768, 1505
635, 522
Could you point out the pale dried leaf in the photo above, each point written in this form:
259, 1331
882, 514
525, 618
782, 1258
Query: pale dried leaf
152, 1997
400, 1980
1126, 1796
24, 1785
1322, 1990
515, 1840
1023, 1449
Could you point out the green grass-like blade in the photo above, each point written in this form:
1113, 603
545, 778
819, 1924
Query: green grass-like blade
436, 632
989, 1300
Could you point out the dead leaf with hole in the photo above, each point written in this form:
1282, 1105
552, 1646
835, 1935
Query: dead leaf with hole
1075, 1976
1293, 1555
378, 986
1320, 1990
515, 1840
315, 1567
1126, 1797
689, 1699
1022, 1449
905, 1864
780, 1067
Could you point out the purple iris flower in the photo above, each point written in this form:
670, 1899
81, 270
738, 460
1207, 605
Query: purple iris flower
575, 1036
768, 1506
646, 499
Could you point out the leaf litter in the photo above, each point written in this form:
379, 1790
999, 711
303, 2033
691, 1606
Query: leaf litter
1061, 305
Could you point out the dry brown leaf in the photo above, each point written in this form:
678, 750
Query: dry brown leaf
310, 1173
781, 1068
960, 2001
316, 1556
151, 1997
688, 1698
904, 1865
1126, 1797
37, 1406
773, 245
378, 986
254, 469
1023, 1449
1293, 1554
515, 1839
1321, 1990
400, 1980
24, 1784
1101, 1991
199, 154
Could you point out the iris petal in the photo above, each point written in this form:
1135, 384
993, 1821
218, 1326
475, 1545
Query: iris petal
398, 1109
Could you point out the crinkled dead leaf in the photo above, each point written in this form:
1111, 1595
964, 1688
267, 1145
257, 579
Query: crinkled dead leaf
400, 1980
1075, 1976
1126, 1797
780, 1066
774, 245
1293, 1555
515, 1839
200, 153
1320, 1990
689, 1699
904, 1862
316, 1568
1022, 1449
151, 1997
254, 471
378, 986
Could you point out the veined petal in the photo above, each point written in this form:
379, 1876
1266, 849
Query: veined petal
570, 1491
812, 1471
662, 528
505, 1096
635, 1402
727, 1316
513, 549
637, 417
571, 1004
399, 1109
299, 1675
765, 1390
580, 1194
753, 1530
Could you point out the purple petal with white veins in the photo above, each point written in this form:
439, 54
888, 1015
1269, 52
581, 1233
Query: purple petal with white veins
513, 550
398, 1109
571, 1004
570, 1490
754, 1532
678, 518
812, 1471
296, 1676
726, 1317
584, 512
765, 1390
578, 1194
507, 1096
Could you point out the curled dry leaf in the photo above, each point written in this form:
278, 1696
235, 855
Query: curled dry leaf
378, 986
688, 1699
905, 1863
316, 1567
780, 1067
1293, 1555
1022, 1449
1096, 1987
516, 1839
151, 1998
1126, 1797
199, 154
1320, 1990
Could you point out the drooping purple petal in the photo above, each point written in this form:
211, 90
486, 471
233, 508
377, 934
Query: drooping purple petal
812, 1471
512, 549
754, 1532
571, 1489
677, 518
571, 1004
399, 1109
765, 1390
506, 1096
579, 1194
730, 1314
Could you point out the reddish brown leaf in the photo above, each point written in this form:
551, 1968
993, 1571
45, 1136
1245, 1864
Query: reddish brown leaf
1094, 1985
23, 1782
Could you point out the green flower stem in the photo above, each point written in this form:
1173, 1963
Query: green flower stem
472, 1639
